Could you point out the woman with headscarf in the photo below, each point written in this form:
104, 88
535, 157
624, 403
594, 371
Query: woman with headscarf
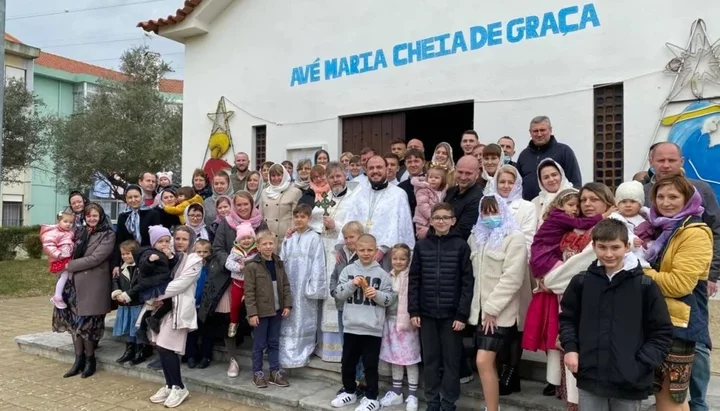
134, 223
254, 186
168, 197
302, 182
551, 180
200, 183
443, 155
195, 220
78, 201
277, 203
221, 186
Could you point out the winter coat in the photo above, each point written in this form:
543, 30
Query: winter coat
91, 275
466, 206
259, 294
122, 282
57, 243
278, 213
410, 191
308, 197
179, 209
620, 328
342, 254
235, 262
150, 273
441, 278
532, 155
207, 192
168, 221
525, 216
148, 217
426, 198
399, 308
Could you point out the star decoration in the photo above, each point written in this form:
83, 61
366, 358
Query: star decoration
221, 118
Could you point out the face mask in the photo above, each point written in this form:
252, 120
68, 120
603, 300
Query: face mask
507, 159
492, 222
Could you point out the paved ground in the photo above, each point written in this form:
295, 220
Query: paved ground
29, 382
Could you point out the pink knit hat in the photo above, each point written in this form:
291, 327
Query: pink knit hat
244, 229
157, 232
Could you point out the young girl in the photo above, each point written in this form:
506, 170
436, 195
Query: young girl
243, 250
500, 268
127, 314
223, 206
401, 341
58, 244
555, 236
629, 197
429, 191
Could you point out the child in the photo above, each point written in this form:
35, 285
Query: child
200, 355
268, 300
554, 235
614, 325
164, 180
155, 266
303, 255
127, 314
429, 191
500, 264
363, 322
185, 197
242, 251
400, 342
440, 289
58, 243
630, 197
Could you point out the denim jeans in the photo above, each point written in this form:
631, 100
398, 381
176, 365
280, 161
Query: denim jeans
359, 369
590, 401
700, 378
267, 335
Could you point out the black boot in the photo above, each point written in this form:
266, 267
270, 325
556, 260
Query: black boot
90, 366
142, 353
507, 377
129, 353
515, 381
549, 390
77, 366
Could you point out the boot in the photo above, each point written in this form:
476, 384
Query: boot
142, 353
129, 353
506, 380
77, 366
90, 366
515, 381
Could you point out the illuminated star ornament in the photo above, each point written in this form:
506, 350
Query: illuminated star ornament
221, 118
220, 141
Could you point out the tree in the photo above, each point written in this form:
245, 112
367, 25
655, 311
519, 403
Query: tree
125, 128
24, 130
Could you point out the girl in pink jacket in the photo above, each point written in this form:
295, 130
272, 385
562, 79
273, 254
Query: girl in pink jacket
429, 191
58, 244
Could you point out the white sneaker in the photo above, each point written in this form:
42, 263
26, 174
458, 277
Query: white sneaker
368, 405
391, 399
233, 370
343, 399
466, 380
177, 396
412, 403
161, 395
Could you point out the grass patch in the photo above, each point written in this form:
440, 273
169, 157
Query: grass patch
26, 278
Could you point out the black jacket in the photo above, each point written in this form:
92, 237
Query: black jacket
308, 197
148, 217
122, 283
217, 282
149, 273
531, 157
167, 220
465, 205
620, 328
410, 191
441, 278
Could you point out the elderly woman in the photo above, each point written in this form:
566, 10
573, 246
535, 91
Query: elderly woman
87, 291
221, 187
134, 223
277, 202
552, 180
680, 259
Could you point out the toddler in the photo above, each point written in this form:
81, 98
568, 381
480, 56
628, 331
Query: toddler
429, 191
127, 314
58, 243
630, 196
401, 340
185, 197
557, 232
243, 250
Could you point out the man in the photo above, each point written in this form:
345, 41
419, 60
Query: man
416, 144
393, 165
508, 146
468, 141
478, 154
148, 182
398, 147
239, 173
666, 160
415, 163
541, 146
383, 209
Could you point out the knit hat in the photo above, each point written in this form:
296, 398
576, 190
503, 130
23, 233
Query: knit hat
166, 174
157, 232
244, 229
630, 190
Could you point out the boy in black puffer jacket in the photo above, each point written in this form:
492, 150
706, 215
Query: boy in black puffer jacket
440, 292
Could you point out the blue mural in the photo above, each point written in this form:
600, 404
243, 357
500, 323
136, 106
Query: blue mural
695, 130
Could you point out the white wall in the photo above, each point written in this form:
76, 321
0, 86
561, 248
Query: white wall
252, 47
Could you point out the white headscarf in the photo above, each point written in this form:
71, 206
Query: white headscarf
274, 192
450, 163
494, 238
516, 192
546, 197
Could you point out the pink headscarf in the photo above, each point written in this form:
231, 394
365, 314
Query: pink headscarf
234, 218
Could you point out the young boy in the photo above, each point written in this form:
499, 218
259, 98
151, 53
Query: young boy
185, 197
367, 291
440, 291
268, 300
614, 325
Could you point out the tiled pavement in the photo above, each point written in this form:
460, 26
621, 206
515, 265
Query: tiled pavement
28, 382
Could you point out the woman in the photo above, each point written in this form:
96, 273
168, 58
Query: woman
345, 159
87, 291
680, 258
254, 186
264, 168
78, 202
318, 187
443, 155
322, 158
174, 328
303, 174
200, 183
168, 197
277, 203
195, 220
552, 180
133, 223
221, 187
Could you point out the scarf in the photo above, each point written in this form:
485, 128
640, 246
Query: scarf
205, 192
450, 163
132, 224
228, 193
545, 196
516, 192
275, 191
234, 220
83, 237
494, 238
198, 228
320, 190
302, 184
668, 224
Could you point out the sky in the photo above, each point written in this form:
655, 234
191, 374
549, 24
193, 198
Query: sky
94, 36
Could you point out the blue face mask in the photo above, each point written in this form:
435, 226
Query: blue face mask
507, 159
492, 222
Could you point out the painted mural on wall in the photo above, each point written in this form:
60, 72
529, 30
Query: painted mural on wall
220, 141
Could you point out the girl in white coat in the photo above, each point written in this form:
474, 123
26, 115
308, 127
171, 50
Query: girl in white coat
500, 267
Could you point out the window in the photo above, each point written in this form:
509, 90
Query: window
608, 139
12, 214
14, 73
260, 145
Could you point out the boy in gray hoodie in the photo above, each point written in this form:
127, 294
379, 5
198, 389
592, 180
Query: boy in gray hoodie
367, 291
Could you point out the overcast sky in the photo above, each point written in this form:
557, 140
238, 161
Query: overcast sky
94, 36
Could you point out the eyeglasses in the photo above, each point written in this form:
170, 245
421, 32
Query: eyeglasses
438, 218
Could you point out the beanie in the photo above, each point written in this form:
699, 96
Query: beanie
157, 232
166, 174
244, 229
630, 190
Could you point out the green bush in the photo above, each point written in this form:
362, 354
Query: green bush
33, 245
11, 237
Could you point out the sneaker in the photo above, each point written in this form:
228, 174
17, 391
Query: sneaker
466, 380
278, 378
343, 399
58, 302
161, 395
411, 403
391, 398
259, 380
368, 405
177, 396
232, 330
233, 369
